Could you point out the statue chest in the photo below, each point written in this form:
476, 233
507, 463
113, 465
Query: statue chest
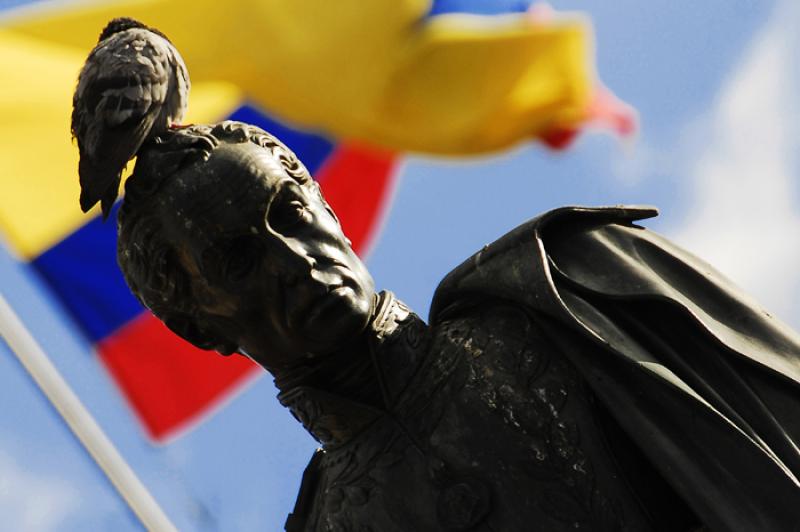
490, 429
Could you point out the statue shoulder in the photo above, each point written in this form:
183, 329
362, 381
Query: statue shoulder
520, 257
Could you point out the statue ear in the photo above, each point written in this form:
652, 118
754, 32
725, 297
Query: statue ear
199, 336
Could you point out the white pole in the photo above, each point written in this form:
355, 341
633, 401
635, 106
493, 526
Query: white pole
81, 421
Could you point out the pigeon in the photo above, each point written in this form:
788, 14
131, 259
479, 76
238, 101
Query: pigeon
134, 86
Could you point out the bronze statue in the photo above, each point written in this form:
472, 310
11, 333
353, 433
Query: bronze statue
579, 373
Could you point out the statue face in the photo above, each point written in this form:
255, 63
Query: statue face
269, 264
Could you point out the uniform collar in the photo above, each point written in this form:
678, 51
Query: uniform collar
394, 349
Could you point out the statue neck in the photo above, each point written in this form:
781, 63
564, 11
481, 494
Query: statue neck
354, 386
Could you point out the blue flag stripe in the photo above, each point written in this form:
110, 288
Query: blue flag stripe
479, 7
82, 270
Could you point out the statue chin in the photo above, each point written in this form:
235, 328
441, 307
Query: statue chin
330, 324
335, 321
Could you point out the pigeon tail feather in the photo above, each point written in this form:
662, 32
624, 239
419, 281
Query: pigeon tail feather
97, 184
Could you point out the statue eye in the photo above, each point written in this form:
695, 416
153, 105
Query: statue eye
241, 259
288, 214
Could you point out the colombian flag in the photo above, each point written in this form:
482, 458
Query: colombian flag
345, 84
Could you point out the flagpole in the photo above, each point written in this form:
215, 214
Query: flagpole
81, 422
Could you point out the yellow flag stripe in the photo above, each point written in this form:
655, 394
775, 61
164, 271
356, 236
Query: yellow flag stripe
38, 161
379, 71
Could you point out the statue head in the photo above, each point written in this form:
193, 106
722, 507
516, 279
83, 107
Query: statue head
225, 237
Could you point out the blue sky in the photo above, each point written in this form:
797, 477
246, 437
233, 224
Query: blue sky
716, 85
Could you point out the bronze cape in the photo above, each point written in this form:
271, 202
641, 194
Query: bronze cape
686, 381
702, 379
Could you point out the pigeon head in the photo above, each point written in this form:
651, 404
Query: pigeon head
121, 24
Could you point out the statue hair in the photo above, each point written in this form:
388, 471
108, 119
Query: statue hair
147, 258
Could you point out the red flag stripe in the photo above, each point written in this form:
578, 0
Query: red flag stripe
169, 382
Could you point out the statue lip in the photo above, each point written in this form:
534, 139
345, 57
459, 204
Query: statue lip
309, 308
320, 304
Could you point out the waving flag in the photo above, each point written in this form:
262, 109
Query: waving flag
407, 75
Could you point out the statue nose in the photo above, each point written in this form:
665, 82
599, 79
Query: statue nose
306, 263
289, 257
297, 262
